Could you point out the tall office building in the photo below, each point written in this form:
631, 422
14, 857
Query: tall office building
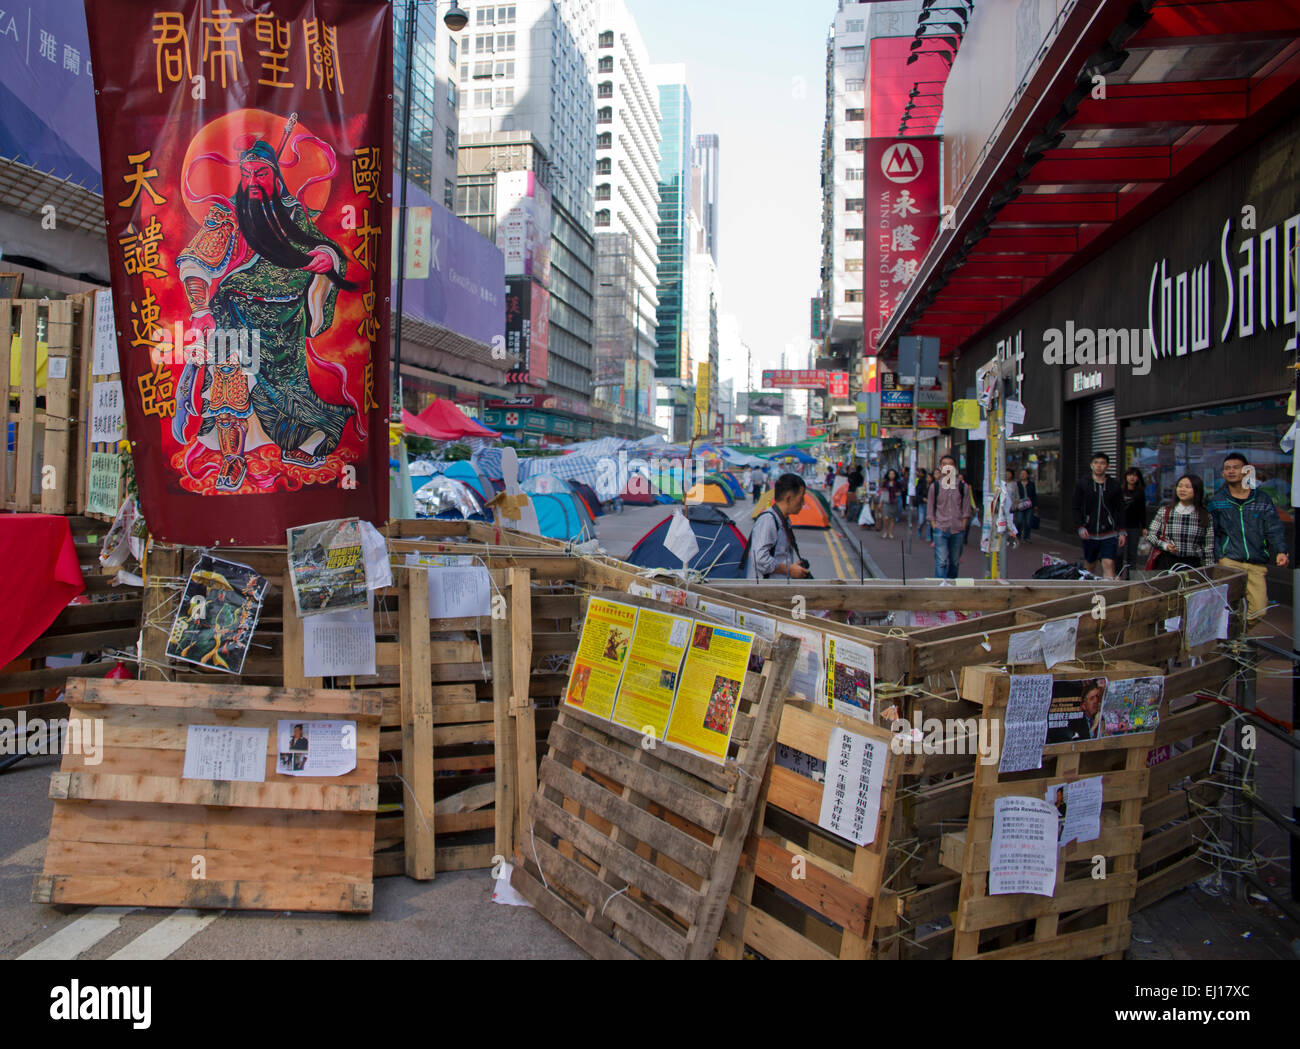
627, 217
707, 157
703, 301
527, 74
435, 99
674, 207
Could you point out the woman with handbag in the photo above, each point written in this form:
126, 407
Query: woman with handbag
1182, 532
1133, 519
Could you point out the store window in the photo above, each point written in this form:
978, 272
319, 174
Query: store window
1163, 457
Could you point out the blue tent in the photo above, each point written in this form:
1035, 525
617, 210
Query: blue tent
722, 547
561, 515
467, 474
797, 454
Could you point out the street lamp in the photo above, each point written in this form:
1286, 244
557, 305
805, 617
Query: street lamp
456, 19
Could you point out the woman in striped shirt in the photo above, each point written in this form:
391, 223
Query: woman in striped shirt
1182, 532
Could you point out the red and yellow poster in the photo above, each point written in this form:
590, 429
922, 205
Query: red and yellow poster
708, 694
645, 698
602, 654
247, 162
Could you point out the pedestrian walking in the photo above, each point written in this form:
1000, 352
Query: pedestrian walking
1248, 533
1026, 506
948, 506
923, 482
1098, 510
1135, 518
1182, 531
891, 493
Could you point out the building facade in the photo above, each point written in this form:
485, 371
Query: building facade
707, 157
671, 355
627, 218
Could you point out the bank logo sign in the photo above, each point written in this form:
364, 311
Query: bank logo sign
902, 163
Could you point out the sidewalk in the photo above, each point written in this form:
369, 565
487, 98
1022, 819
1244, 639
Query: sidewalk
886, 560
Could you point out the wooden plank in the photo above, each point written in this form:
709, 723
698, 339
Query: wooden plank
58, 409
418, 737
160, 694
1156, 887
164, 790
664, 889
510, 815
656, 833
1090, 943
567, 920
90, 890
830, 896
26, 424
521, 704
991, 911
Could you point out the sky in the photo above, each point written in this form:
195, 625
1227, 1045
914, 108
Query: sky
757, 76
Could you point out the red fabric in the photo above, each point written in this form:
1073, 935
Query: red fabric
443, 421
41, 576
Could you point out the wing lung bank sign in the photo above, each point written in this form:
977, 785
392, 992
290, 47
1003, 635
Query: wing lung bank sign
246, 152
901, 218
47, 94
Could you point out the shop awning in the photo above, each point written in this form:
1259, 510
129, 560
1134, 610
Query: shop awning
1068, 174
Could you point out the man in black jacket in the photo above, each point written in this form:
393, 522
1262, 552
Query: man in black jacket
1098, 508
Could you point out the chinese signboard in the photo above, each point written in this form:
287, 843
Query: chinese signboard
902, 218
528, 326
896, 401
246, 154
806, 380
524, 225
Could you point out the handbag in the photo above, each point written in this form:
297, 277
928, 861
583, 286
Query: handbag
1154, 552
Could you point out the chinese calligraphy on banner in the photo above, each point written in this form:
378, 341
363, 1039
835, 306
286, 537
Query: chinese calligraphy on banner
902, 218
247, 154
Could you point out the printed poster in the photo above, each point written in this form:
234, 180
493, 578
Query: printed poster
708, 695
654, 663
1132, 705
218, 615
855, 780
808, 682
101, 490
850, 677
1075, 710
315, 748
226, 753
326, 567
1024, 850
602, 654
248, 237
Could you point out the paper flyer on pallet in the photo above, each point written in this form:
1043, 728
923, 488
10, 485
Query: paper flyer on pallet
218, 615
654, 663
855, 780
1023, 854
339, 644
708, 694
315, 748
225, 752
1079, 806
602, 654
327, 568
808, 682
1028, 703
1131, 705
850, 677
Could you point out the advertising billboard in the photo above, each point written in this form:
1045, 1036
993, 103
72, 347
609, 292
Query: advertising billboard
249, 248
524, 225
902, 218
787, 379
528, 329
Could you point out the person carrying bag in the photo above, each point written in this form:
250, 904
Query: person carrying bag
1182, 532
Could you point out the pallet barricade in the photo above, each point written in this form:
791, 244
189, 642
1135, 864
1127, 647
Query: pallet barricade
128, 829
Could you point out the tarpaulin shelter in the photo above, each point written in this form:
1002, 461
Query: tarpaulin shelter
798, 455
443, 421
721, 545
449, 500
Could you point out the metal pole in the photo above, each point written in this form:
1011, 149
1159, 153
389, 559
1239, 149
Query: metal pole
412, 14
1240, 812
916, 400
636, 359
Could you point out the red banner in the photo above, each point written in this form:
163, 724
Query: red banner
247, 165
902, 218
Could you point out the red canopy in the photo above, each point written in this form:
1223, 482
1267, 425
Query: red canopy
443, 421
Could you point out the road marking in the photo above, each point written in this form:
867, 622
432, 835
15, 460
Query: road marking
166, 938
833, 543
79, 936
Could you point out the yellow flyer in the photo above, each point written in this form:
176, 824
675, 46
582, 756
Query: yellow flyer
601, 656
645, 698
708, 694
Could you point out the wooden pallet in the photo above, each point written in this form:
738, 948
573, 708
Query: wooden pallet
87, 379
40, 475
130, 831
803, 892
632, 852
1086, 917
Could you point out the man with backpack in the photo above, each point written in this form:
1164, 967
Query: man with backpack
772, 545
1098, 511
947, 506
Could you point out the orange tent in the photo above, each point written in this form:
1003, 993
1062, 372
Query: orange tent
813, 515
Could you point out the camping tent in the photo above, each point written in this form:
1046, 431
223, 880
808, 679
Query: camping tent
730, 482
797, 454
449, 500
813, 515
589, 498
722, 547
467, 474
709, 492
561, 515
